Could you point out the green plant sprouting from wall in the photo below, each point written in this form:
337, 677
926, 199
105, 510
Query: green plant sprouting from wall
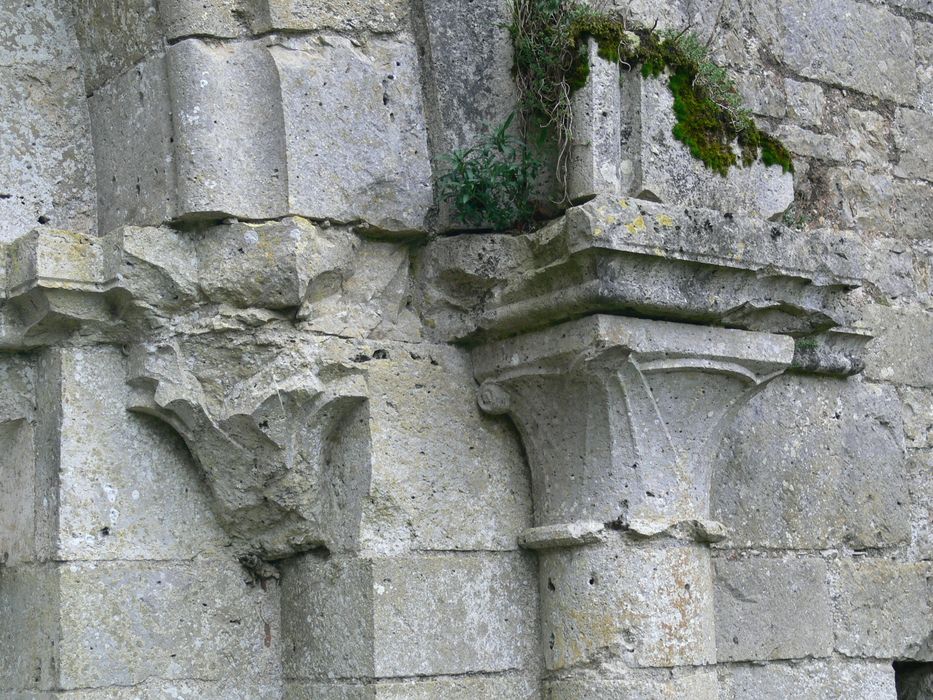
490, 184
552, 61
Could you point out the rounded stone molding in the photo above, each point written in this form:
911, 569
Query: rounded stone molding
493, 399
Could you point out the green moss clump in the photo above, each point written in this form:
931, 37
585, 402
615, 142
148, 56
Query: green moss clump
701, 125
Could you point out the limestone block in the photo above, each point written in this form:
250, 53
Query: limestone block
423, 466
913, 135
114, 36
125, 622
257, 265
353, 16
923, 40
812, 463
804, 142
763, 93
131, 122
470, 69
633, 605
510, 685
595, 150
919, 469
29, 640
805, 103
661, 168
770, 609
918, 416
217, 18
900, 351
827, 41
867, 139
913, 209
19, 496
46, 159
356, 140
883, 609
17, 387
809, 680
127, 488
229, 136
407, 616
699, 685
231, 688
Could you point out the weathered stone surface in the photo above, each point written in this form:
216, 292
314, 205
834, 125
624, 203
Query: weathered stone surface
127, 487
231, 688
919, 469
827, 41
511, 685
913, 209
408, 616
353, 16
809, 680
900, 351
196, 620
913, 135
923, 40
217, 18
20, 494
356, 141
812, 463
423, 466
883, 609
46, 159
230, 144
29, 640
625, 605
661, 168
805, 142
668, 685
805, 102
918, 416
770, 609
763, 93
867, 140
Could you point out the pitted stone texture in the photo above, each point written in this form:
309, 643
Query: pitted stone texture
806, 103
127, 487
770, 609
900, 351
46, 158
913, 209
198, 620
511, 686
20, 495
355, 137
115, 35
656, 166
919, 469
423, 466
763, 94
406, 616
352, 16
814, 463
663, 685
913, 135
29, 639
217, 18
622, 604
828, 41
883, 609
809, 680
229, 134
918, 416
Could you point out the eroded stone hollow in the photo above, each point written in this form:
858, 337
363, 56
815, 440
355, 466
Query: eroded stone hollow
274, 423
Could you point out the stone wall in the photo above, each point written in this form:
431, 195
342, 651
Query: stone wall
270, 428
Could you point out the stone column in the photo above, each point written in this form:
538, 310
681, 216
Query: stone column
621, 419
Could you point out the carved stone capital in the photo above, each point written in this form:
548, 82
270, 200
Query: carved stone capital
280, 435
621, 417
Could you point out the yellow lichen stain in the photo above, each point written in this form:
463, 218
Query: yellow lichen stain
665, 220
637, 225
623, 203
597, 232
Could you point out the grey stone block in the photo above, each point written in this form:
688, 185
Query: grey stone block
29, 637
124, 622
407, 616
20, 494
809, 680
827, 41
883, 609
900, 351
511, 686
763, 93
353, 16
812, 463
228, 689
422, 466
622, 604
805, 103
637, 685
919, 469
769, 609
913, 209
127, 487
229, 147
356, 140
658, 167
913, 135
217, 18
804, 142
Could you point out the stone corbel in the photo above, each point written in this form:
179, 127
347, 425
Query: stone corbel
621, 419
285, 450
